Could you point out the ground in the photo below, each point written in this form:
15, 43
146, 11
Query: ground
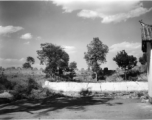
76, 108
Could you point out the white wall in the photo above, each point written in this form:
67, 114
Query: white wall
99, 87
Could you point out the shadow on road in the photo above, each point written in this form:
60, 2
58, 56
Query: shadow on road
51, 104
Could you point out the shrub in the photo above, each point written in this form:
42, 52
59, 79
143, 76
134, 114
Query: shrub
24, 89
142, 77
5, 83
85, 92
114, 78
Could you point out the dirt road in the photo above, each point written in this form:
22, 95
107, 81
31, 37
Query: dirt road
77, 108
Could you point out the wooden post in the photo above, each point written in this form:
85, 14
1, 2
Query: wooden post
149, 70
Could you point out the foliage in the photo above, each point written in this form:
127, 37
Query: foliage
30, 60
73, 65
143, 59
24, 89
125, 61
27, 65
54, 57
96, 53
5, 83
114, 78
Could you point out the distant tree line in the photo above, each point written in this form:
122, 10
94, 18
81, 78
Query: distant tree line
57, 63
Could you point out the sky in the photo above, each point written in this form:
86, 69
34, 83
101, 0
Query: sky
72, 24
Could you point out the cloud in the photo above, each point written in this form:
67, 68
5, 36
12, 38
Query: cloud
69, 49
26, 36
38, 38
9, 62
37, 65
12, 60
130, 47
108, 11
27, 43
9, 29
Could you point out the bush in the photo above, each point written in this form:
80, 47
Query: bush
5, 83
85, 92
114, 78
142, 77
24, 89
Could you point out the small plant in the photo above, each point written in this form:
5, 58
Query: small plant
85, 92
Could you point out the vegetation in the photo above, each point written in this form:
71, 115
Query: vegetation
57, 64
54, 57
96, 54
27, 65
29, 62
125, 61
143, 59
73, 65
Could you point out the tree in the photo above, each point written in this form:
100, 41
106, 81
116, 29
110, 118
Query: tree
27, 65
143, 59
30, 60
54, 57
125, 61
96, 54
73, 65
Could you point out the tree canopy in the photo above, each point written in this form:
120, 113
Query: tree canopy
30, 60
73, 65
53, 56
96, 53
125, 61
27, 65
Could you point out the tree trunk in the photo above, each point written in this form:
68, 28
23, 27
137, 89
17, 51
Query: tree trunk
96, 76
125, 75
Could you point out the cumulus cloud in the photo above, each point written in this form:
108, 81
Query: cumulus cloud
109, 10
26, 36
69, 49
9, 29
131, 48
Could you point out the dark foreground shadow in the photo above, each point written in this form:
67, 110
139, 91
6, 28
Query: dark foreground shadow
51, 104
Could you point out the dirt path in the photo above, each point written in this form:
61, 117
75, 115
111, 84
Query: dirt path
71, 108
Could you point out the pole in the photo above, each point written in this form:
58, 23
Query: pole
149, 70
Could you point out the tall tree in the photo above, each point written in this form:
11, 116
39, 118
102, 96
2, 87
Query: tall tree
125, 61
96, 54
54, 57
143, 59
